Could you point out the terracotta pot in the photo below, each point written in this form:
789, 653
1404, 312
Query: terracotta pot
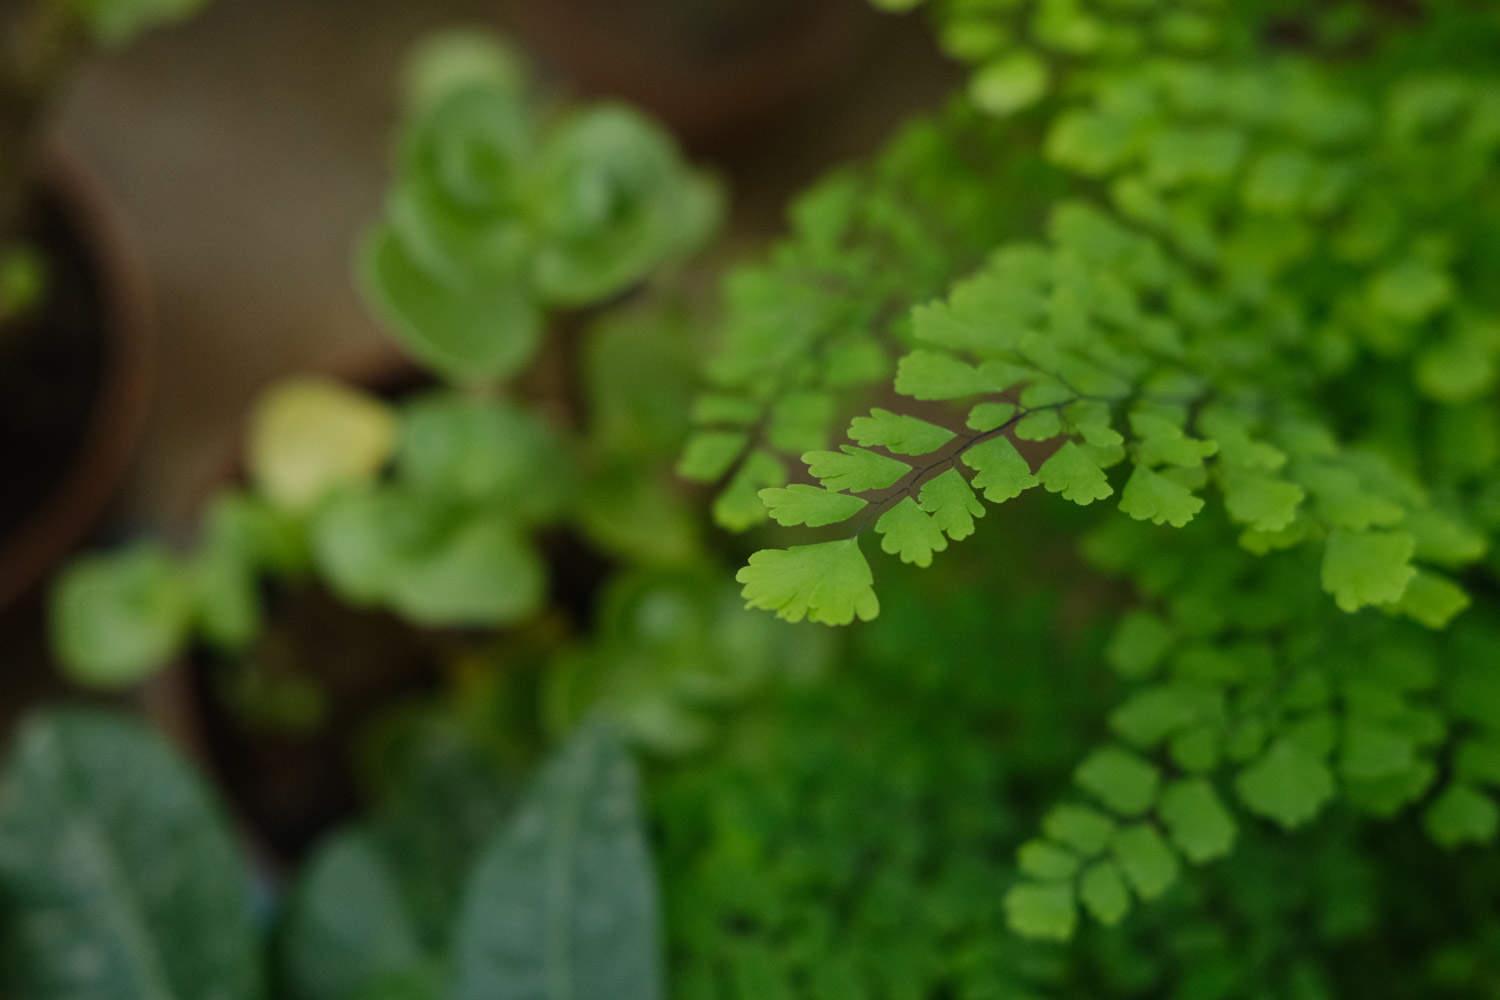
708, 70
112, 428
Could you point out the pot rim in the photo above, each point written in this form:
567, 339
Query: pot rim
128, 327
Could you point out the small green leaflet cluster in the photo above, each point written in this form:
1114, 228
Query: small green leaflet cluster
432, 507
821, 322
1056, 347
778, 884
424, 510
1272, 241
1247, 691
450, 890
495, 215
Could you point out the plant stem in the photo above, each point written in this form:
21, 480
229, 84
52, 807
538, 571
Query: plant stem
40, 43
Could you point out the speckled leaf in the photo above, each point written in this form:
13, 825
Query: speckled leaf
563, 905
118, 875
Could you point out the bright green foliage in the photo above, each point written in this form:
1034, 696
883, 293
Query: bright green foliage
1370, 567
910, 532
947, 743
494, 214
1120, 780
869, 244
89, 801
1241, 267
809, 505
1199, 824
898, 434
952, 504
1010, 84
828, 582
855, 469
1000, 471
1075, 474
1242, 313
613, 202
117, 618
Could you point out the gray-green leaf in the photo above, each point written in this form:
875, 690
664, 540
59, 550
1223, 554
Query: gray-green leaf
563, 905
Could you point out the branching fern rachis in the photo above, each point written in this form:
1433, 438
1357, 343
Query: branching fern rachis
1240, 288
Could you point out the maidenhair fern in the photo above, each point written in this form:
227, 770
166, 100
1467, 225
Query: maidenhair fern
1231, 273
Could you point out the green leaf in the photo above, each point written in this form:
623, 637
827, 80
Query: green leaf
347, 927
479, 572
1010, 84
985, 417
1074, 474
433, 563
1462, 815
1086, 830
1411, 291
800, 421
226, 594
809, 505
1123, 781
911, 533
613, 202
1433, 599
477, 332
1102, 889
1149, 716
899, 434
855, 470
111, 849
1000, 471
467, 448
1287, 784
1195, 817
708, 455
828, 582
1361, 568
1146, 859
1372, 749
1263, 502
1042, 425
1151, 496
309, 436
1043, 912
118, 618
738, 506
934, 375
952, 504
1345, 502
1046, 861
563, 903
1139, 644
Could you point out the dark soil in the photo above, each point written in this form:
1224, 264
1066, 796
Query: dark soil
52, 367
